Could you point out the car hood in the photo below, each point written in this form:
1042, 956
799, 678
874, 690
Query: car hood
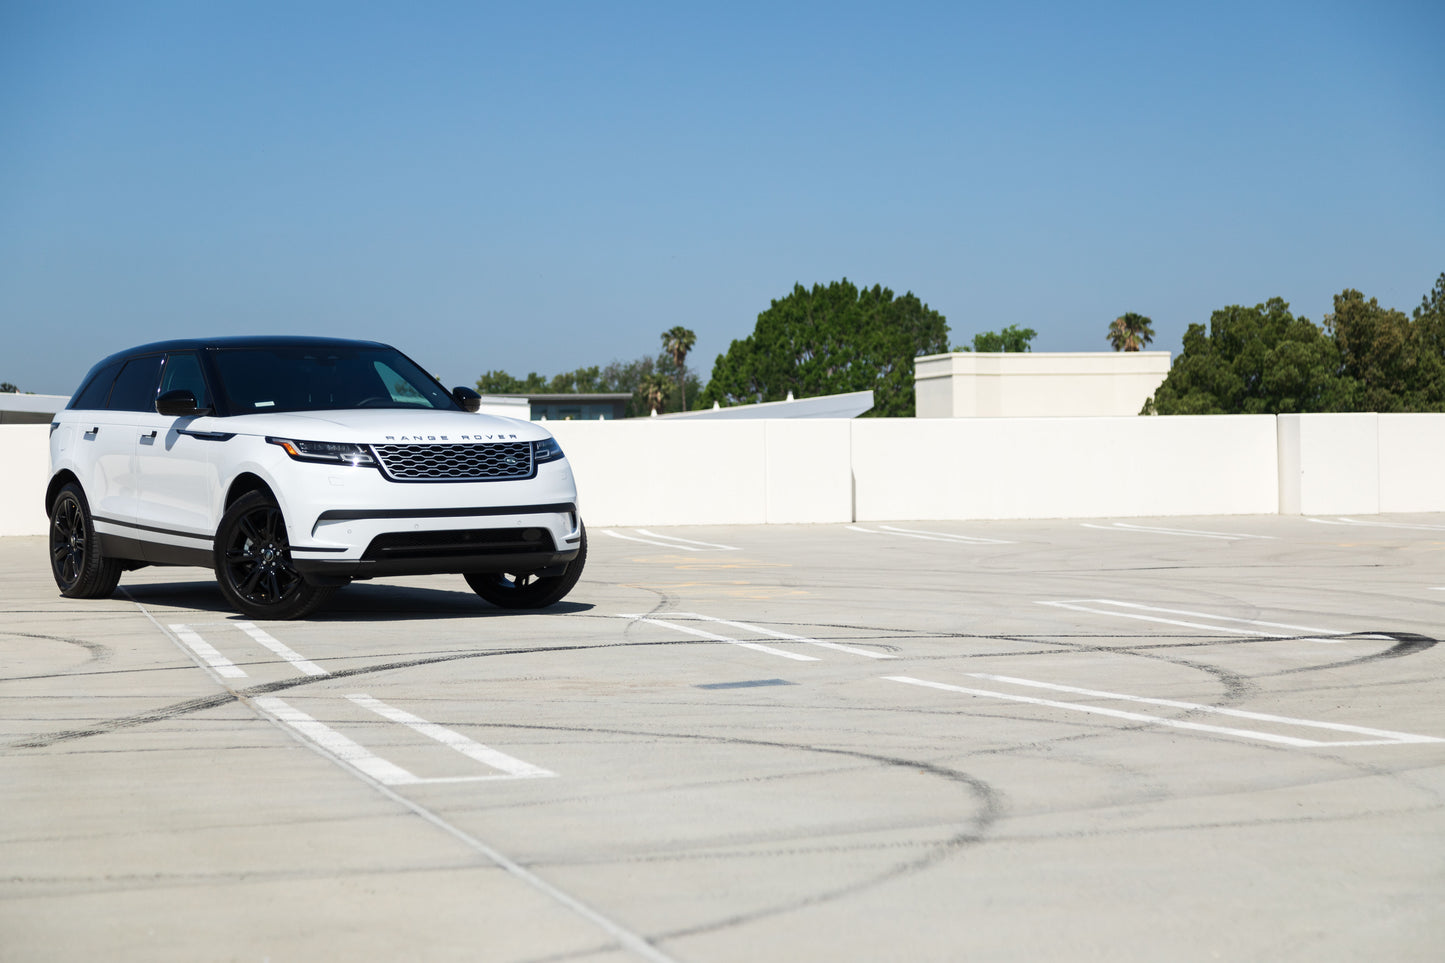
380, 426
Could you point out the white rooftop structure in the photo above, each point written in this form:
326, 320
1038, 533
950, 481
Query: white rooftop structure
1036, 384
16, 409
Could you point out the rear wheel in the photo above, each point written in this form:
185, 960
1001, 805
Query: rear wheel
527, 590
75, 559
253, 563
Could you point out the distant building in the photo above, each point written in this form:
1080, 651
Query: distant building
607, 406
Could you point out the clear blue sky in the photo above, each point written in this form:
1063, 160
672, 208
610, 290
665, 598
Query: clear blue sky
542, 186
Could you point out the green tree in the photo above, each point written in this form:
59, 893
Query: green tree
677, 342
1397, 364
6, 388
1131, 332
501, 383
1010, 339
1259, 360
616, 377
830, 340
654, 389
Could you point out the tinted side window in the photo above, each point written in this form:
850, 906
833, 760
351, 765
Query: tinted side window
97, 389
135, 389
183, 372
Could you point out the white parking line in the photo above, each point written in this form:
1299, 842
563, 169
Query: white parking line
795, 656
851, 650
388, 773
1421, 527
1183, 532
648, 541
207, 652
1217, 623
671, 541
303, 665
688, 541
486, 755
335, 744
1381, 737
928, 536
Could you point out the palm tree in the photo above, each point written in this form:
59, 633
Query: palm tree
654, 388
678, 341
1131, 332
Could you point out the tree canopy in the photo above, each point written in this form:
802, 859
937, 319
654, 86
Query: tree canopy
618, 376
1264, 360
677, 341
1010, 339
1131, 332
831, 340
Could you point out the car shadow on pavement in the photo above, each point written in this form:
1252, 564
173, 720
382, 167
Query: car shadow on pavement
358, 602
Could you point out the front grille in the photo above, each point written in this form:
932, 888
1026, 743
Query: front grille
443, 463
452, 544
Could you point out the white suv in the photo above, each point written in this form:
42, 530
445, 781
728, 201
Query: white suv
294, 465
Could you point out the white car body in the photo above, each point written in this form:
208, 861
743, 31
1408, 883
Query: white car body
157, 487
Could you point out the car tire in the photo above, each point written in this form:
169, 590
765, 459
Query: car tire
526, 590
80, 569
253, 563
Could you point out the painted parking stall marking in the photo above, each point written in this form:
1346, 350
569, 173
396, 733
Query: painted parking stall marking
1374, 737
897, 532
510, 766
1223, 624
714, 637
756, 629
670, 541
303, 665
1181, 532
350, 752
1408, 526
207, 652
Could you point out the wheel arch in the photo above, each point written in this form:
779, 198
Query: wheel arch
244, 484
57, 482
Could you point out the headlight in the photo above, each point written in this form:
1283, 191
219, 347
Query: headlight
328, 452
546, 450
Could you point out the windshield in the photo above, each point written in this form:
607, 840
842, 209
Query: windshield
324, 377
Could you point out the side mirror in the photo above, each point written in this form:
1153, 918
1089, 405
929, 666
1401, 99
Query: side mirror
180, 403
467, 398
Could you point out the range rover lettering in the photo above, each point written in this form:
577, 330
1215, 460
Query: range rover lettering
291, 466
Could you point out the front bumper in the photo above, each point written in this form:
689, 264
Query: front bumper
350, 523
495, 540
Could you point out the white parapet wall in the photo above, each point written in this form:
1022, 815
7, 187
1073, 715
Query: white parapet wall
652, 471
1042, 384
24, 470
1363, 464
1064, 467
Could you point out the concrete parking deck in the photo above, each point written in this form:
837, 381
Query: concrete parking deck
1192, 739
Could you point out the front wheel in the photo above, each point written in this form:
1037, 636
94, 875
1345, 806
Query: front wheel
75, 559
253, 563
527, 590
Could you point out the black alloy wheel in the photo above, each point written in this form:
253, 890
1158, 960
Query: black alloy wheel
253, 563
527, 590
80, 570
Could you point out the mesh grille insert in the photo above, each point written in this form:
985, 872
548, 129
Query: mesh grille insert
428, 463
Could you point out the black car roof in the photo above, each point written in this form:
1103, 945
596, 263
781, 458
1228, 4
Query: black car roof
237, 341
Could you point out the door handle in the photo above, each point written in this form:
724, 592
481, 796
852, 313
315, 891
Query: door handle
151, 435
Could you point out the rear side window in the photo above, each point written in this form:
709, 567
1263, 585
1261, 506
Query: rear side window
97, 389
135, 388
